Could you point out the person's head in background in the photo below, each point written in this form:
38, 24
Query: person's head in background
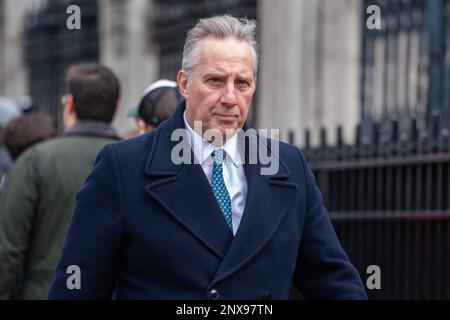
26, 130
92, 94
8, 111
158, 102
27, 105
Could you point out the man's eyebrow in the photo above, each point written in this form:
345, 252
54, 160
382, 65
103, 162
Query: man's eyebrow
246, 78
217, 74
213, 74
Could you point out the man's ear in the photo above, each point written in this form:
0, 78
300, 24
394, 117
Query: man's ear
70, 104
69, 114
183, 84
143, 127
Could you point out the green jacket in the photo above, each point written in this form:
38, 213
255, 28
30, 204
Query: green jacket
36, 207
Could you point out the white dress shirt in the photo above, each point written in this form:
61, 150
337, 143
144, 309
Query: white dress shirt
233, 170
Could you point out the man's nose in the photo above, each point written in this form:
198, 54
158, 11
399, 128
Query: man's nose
229, 97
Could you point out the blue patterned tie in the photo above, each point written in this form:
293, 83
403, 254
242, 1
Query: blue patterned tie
218, 185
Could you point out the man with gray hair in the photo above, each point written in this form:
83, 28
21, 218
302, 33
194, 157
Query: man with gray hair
149, 227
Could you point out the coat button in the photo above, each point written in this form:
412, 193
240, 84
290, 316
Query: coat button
267, 296
214, 294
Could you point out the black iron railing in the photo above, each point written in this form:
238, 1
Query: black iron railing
388, 198
388, 192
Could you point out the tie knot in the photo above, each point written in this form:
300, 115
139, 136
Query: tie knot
218, 156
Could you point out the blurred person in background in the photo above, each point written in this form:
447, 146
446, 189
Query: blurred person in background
8, 111
27, 105
24, 131
38, 197
158, 103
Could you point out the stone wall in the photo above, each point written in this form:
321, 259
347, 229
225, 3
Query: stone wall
310, 66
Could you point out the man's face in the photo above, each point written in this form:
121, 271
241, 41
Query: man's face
220, 88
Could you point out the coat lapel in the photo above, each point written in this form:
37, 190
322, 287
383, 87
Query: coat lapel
268, 199
184, 191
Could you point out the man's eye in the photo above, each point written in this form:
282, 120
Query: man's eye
243, 84
214, 80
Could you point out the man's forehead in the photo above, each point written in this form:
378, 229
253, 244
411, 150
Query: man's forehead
227, 39
212, 46
222, 70
218, 57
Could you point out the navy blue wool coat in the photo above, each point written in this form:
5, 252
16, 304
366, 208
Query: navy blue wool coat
147, 228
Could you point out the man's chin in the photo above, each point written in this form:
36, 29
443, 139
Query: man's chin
228, 131
219, 135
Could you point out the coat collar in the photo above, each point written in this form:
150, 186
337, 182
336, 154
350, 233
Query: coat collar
184, 191
92, 128
159, 161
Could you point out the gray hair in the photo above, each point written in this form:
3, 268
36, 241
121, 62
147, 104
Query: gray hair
219, 27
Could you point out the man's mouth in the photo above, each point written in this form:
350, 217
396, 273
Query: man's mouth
226, 117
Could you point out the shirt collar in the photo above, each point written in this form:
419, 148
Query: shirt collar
202, 149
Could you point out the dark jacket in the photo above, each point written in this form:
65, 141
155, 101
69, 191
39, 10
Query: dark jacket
36, 207
153, 230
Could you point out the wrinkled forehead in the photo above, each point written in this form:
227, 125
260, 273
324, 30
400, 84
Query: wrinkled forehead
226, 53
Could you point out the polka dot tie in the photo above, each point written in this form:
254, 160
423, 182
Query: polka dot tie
218, 185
